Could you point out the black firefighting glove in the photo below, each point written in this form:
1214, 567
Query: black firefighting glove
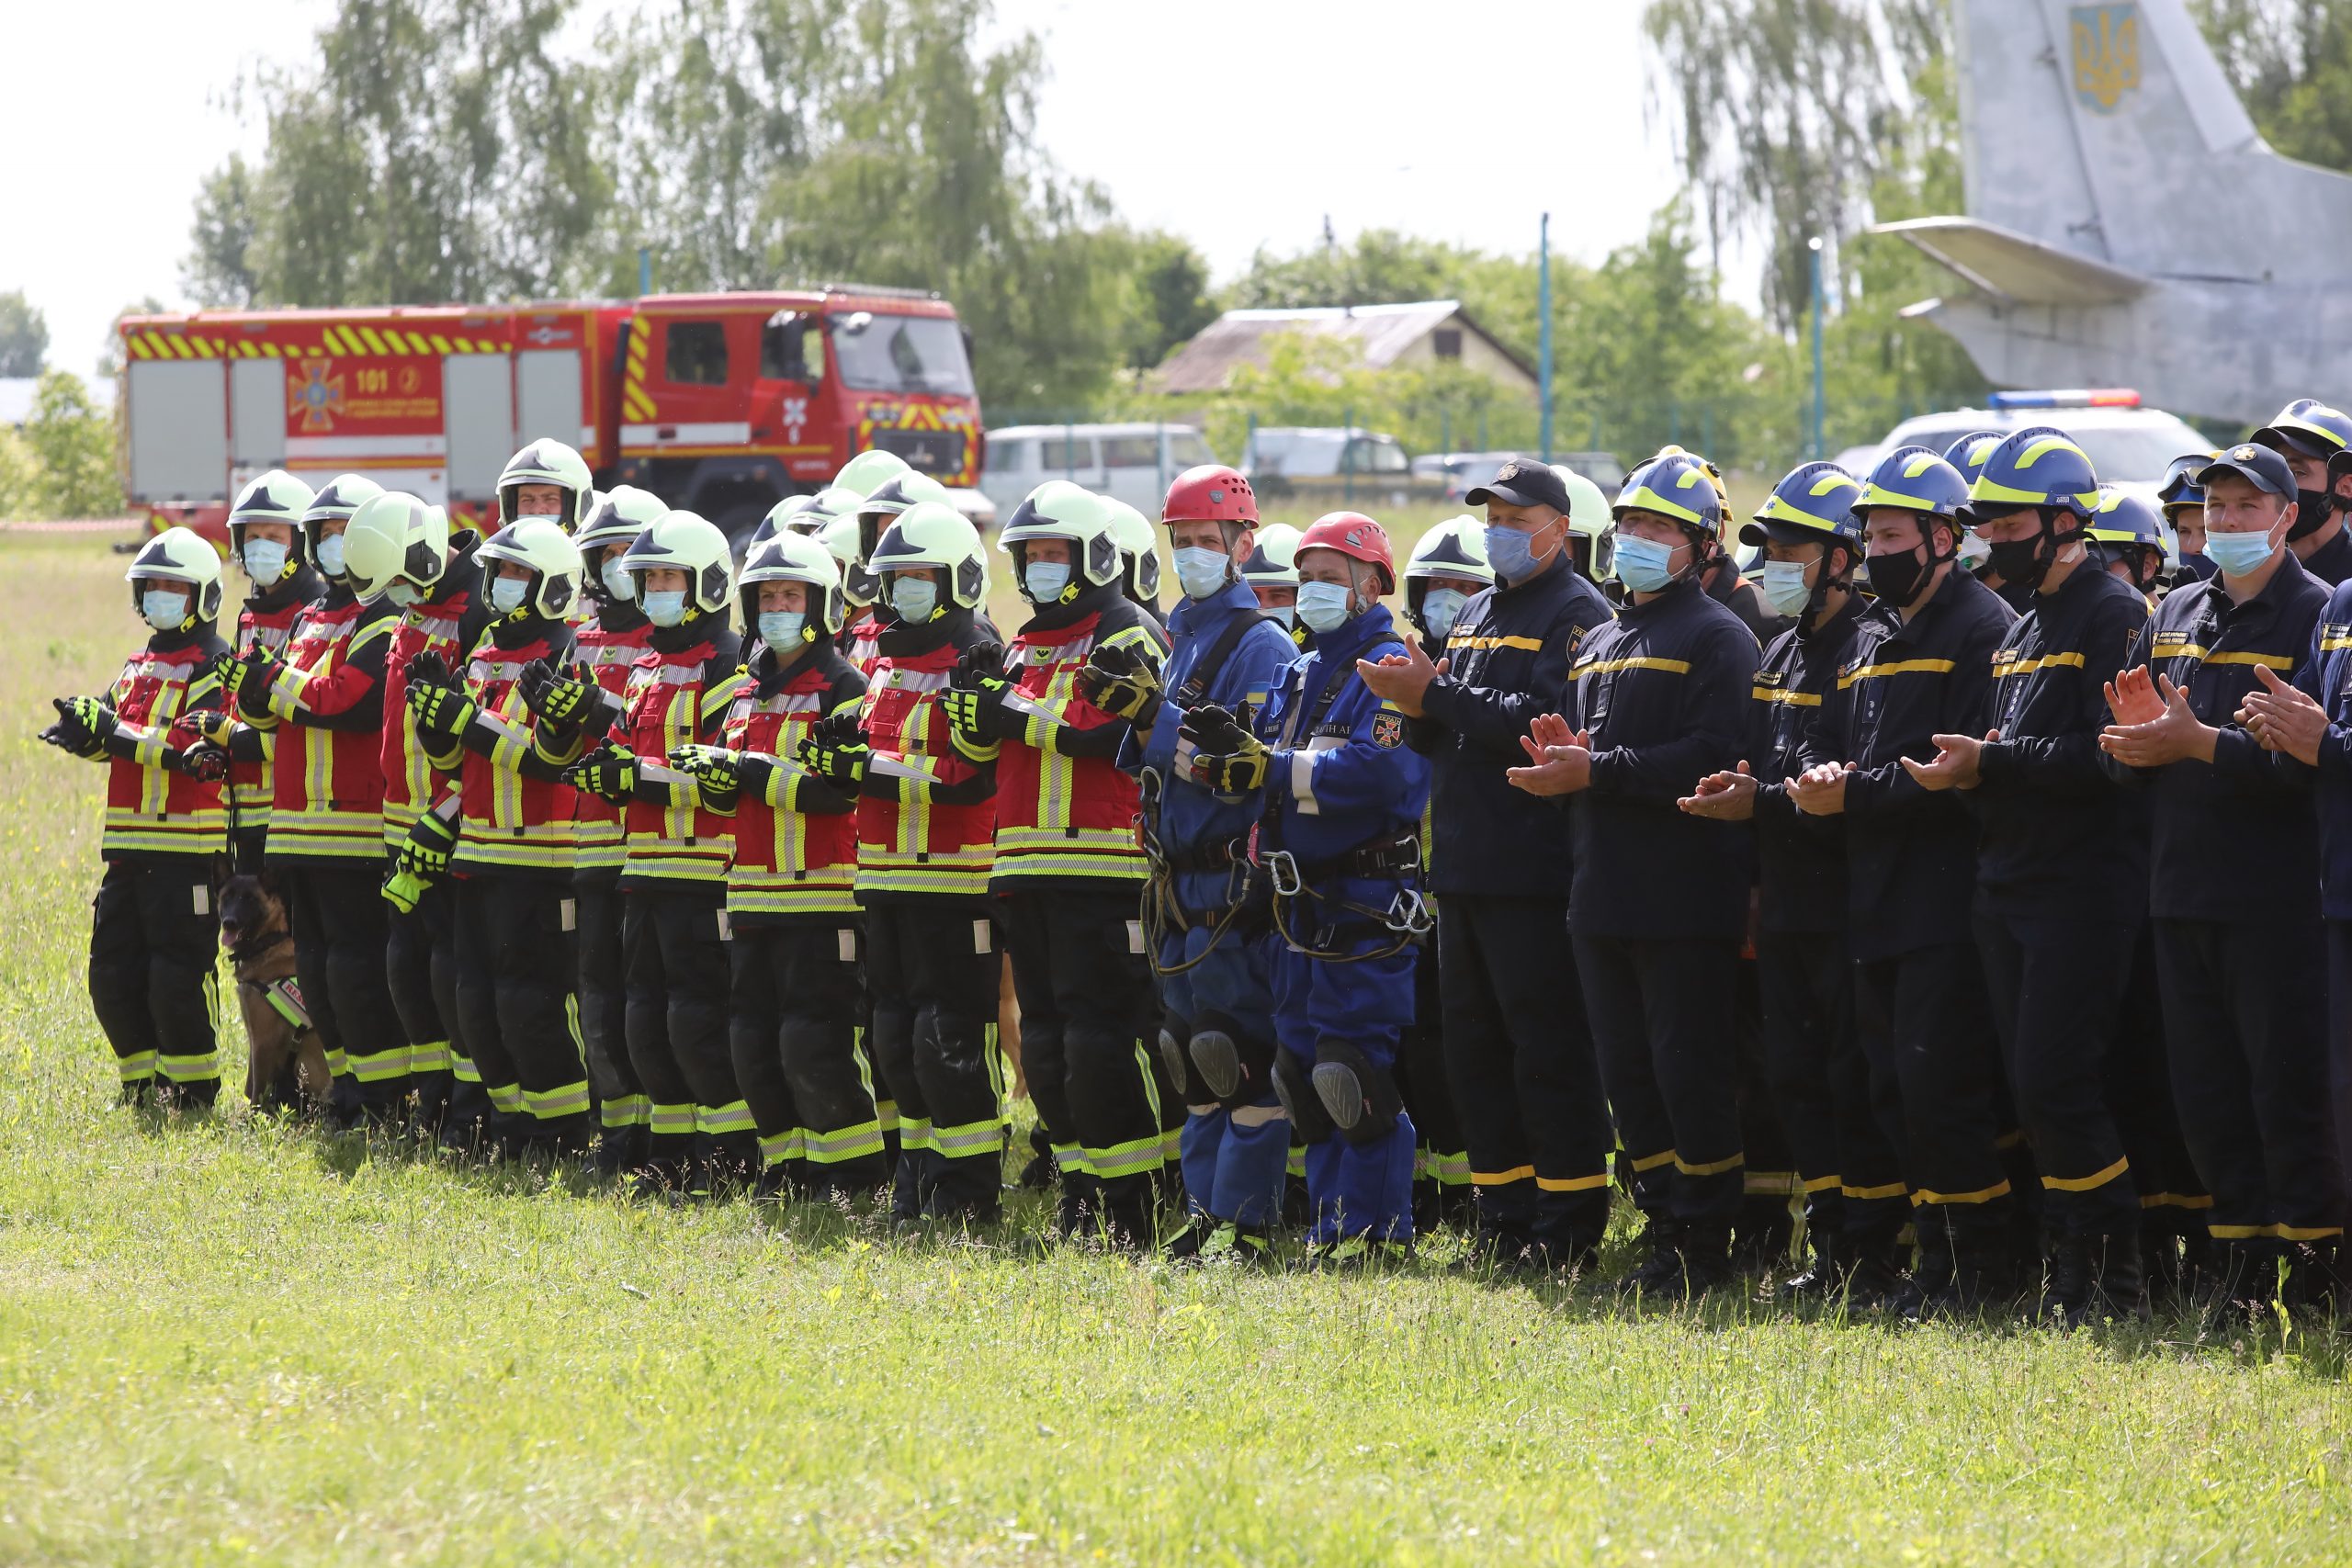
255, 671
720, 776
974, 701
425, 853
1123, 684
428, 668
608, 773
204, 761
82, 727
835, 750
215, 725
441, 712
1225, 757
554, 697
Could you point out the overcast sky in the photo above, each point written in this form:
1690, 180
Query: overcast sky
1237, 123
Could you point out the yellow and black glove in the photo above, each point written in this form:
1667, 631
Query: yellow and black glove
1225, 757
1123, 684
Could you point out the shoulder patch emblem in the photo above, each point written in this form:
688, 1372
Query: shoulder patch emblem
1388, 730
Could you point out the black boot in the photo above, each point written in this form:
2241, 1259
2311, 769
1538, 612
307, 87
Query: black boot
1761, 1235
1824, 1275
2240, 1285
2093, 1278
1185, 1246
1685, 1262
619, 1150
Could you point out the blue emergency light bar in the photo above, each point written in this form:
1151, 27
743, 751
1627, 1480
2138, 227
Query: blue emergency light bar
2076, 397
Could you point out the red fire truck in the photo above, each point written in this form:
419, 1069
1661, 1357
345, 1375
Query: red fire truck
720, 403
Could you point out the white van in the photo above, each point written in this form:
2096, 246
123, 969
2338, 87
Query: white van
1132, 463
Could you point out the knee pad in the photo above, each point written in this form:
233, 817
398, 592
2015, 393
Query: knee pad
1232, 1062
1296, 1090
1360, 1098
1173, 1058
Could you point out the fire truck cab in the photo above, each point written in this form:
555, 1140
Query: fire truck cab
720, 403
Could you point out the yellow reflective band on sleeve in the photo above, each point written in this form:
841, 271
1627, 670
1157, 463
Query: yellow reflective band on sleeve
720, 1120
1982, 1195
2267, 661
670, 1120
2028, 665
1503, 1178
136, 1067
1781, 694
628, 1110
1573, 1183
547, 1105
1609, 666
1467, 639
2085, 1183
1897, 667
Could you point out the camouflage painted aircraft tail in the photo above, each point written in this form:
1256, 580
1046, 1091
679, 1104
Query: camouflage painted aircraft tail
2127, 225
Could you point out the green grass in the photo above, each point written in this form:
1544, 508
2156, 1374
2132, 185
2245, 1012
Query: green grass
230, 1340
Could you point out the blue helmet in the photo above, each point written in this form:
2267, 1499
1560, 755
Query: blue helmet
2307, 428
2180, 487
1812, 504
1968, 453
2041, 467
1913, 478
1674, 485
2120, 518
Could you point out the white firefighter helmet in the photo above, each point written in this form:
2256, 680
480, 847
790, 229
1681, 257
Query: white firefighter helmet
1078, 518
552, 556
684, 542
1273, 562
795, 558
891, 497
184, 556
866, 472
1140, 545
1588, 519
548, 462
935, 535
274, 497
395, 537
840, 539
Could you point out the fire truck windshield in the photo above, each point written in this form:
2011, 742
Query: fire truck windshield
902, 354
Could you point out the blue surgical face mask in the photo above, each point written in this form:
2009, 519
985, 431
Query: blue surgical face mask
1046, 579
506, 593
914, 598
163, 608
2238, 555
331, 555
407, 595
1203, 571
1643, 565
667, 608
1512, 552
1441, 607
1785, 587
1286, 614
264, 560
1323, 606
620, 584
780, 629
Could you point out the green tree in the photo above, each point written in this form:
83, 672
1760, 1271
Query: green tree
1382, 267
24, 335
71, 446
433, 150
1169, 283
2291, 61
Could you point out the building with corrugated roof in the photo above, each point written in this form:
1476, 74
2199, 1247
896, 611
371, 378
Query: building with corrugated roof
1419, 333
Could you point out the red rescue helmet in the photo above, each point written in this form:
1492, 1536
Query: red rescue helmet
1356, 536
1210, 493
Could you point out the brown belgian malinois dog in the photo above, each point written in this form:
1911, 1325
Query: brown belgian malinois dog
286, 1062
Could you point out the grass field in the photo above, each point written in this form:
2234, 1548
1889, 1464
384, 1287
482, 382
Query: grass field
229, 1340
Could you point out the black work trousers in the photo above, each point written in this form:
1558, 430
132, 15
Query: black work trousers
153, 940
341, 933
2339, 1052
1935, 1071
1820, 1087
1662, 1019
2055, 987
1080, 975
514, 974
601, 986
1526, 1082
673, 946
421, 967
792, 1032
2172, 1200
2245, 1016
932, 970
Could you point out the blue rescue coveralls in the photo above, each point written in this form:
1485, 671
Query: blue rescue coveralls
1342, 782
1233, 1156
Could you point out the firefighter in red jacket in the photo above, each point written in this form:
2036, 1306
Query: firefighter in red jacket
791, 894
402, 552
1069, 867
325, 695
504, 830
264, 529
673, 877
926, 825
604, 647
152, 924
